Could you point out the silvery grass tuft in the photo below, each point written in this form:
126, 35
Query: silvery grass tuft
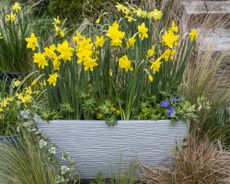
120, 62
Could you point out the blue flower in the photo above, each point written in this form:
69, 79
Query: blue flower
175, 100
170, 111
165, 103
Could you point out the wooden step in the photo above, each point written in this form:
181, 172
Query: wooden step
214, 40
217, 41
206, 13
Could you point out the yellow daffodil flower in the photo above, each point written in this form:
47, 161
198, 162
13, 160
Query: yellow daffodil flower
156, 65
170, 39
125, 63
50, 51
174, 27
193, 35
115, 34
151, 52
16, 7
31, 42
40, 59
52, 80
155, 14
142, 31
168, 54
65, 51
150, 77
99, 41
56, 21
11, 17
130, 42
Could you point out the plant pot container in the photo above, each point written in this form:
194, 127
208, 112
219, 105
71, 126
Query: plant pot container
96, 147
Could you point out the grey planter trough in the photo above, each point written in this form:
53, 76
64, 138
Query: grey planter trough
98, 148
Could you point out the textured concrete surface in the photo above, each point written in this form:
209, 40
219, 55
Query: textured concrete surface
96, 147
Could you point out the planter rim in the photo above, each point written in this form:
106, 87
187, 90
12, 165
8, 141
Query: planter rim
123, 121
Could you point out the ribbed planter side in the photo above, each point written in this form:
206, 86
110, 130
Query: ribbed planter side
96, 147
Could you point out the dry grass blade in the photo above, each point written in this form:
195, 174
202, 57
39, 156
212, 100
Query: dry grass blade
200, 162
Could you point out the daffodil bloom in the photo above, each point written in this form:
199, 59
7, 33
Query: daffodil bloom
170, 39
168, 54
130, 42
65, 51
125, 63
4, 103
25, 99
99, 41
84, 50
57, 28
17, 83
31, 42
140, 13
61, 33
174, 27
151, 52
123, 9
89, 64
142, 31
193, 35
150, 77
52, 80
16, 7
28, 90
56, 64
11, 17
50, 51
78, 37
115, 34
1, 37
40, 59
156, 14
56, 21
130, 18
34, 82
110, 73
156, 65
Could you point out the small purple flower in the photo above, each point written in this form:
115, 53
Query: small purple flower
165, 103
175, 100
170, 111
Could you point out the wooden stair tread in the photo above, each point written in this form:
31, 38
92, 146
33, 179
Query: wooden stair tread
204, 7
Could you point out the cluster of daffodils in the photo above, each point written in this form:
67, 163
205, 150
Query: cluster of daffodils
15, 8
57, 26
19, 101
132, 13
84, 51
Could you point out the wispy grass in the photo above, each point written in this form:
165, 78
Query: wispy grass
22, 163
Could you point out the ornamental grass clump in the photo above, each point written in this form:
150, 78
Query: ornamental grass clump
199, 162
113, 66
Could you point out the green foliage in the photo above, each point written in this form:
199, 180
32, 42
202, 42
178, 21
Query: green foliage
13, 52
124, 176
151, 109
14, 56
76, 10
